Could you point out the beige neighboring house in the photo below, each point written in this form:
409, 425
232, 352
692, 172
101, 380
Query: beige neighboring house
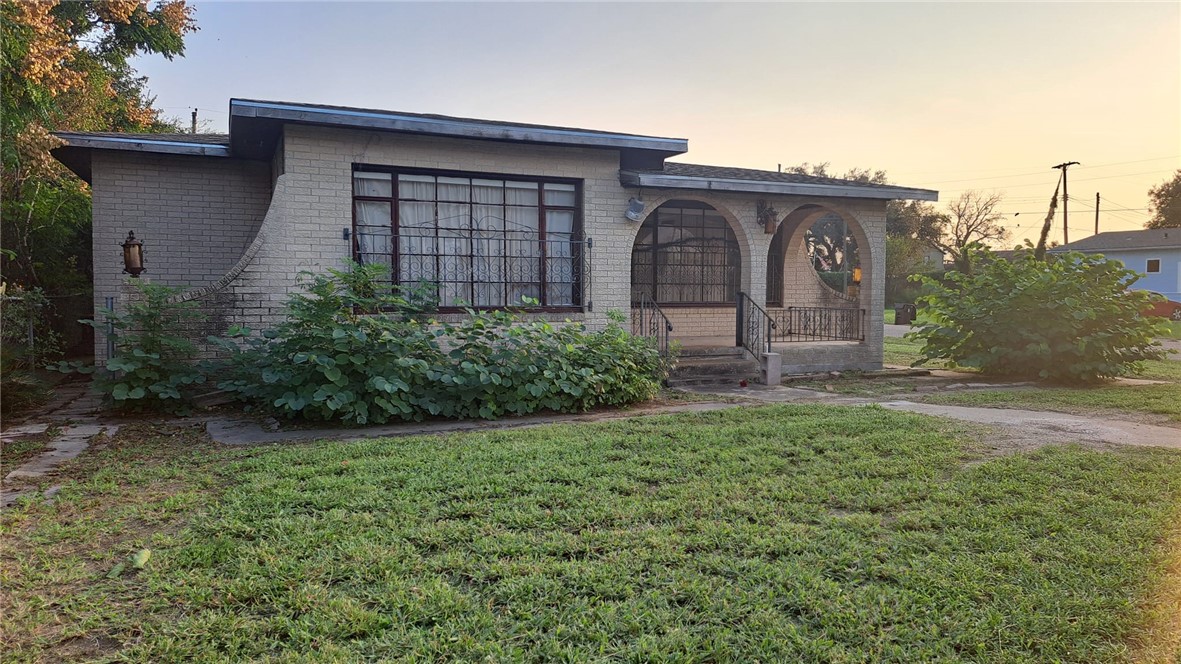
582, 221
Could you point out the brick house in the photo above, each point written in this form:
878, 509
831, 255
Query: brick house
583, 222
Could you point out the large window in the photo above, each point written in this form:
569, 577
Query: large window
480, 241
686, 253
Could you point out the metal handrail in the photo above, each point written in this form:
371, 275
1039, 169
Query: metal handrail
649, 320
754, 326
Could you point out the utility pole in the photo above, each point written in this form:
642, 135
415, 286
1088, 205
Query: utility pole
194, 130
1096, 213
1065, 200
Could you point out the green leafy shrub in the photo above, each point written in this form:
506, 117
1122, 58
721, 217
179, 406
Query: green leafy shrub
20, 387
27, 342
355, 349
25, 324
1070, 319
153, 367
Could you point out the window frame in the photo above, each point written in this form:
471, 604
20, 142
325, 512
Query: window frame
1148, 265
579, 243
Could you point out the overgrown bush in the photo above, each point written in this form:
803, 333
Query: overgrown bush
20, 387
153, 367
27, 342
1070, 319
25, 323
355, 350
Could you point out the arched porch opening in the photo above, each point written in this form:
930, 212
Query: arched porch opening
817, 257
816, 264
687, 259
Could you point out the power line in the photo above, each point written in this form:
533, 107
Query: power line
1022, 168
1019, 175
1045, 184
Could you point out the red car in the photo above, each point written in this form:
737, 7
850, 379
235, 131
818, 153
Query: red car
1170, 309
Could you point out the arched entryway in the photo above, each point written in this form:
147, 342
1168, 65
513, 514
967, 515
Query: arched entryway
687, 259
816, 264
816, 257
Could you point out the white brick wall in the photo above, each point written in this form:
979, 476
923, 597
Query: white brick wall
195, 215
191, 203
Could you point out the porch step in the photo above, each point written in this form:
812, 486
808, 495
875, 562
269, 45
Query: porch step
713, 367
711, 351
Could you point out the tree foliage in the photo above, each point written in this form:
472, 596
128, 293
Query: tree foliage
971, 220
1165, 201
65, 67
1072, 319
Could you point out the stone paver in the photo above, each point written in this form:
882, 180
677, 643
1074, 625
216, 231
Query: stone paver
72, 441
14, 433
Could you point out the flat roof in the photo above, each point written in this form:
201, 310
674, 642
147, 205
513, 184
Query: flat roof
255, 127
724, 178
248, 114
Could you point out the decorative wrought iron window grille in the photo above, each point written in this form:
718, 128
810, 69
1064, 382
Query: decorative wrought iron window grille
483, 241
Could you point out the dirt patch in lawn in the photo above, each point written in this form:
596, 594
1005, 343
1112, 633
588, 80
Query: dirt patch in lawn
115, 501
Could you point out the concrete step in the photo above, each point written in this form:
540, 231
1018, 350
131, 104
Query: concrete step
711, 351
718, 366
720, 381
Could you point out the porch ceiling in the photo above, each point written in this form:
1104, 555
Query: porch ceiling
746, 180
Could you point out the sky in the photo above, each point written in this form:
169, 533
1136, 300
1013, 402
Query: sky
945, 96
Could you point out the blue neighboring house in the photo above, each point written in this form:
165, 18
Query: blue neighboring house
1155, 253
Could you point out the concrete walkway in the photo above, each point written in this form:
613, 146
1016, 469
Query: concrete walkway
237, 431
1052, 427
1034, 427
1031, 427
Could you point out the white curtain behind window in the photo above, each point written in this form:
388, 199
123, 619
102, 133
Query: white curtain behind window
374, 232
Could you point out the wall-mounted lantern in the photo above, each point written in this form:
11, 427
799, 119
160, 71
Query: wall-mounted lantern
768, 217
857, 276
133, 255
635, 209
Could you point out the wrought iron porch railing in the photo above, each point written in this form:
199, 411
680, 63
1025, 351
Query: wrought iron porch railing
648, 320
754, 327
819, 324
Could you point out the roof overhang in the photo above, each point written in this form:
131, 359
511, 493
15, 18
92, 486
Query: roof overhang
254, 125
1099, 250
142, 145
662, 181
75, 154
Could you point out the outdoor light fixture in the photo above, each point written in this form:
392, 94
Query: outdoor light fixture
768, 217
133, 255
635, 209
857, 276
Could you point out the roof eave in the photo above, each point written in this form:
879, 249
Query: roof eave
1063, 250
659, 181
474, 129
142, 145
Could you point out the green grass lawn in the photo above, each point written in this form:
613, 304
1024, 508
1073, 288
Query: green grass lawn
1152, 399
904, 352
776, 534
